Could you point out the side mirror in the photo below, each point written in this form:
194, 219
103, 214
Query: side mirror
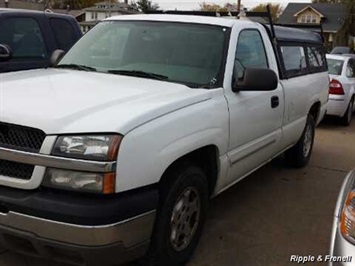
256, 79
5, 52
56, 56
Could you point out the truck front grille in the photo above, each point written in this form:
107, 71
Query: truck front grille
20, 137
16, 170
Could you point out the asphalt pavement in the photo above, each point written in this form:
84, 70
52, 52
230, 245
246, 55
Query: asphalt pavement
272, 214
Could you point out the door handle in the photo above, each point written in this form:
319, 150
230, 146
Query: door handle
275, 101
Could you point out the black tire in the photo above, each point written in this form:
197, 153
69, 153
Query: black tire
299, 155
346, 119
163, 250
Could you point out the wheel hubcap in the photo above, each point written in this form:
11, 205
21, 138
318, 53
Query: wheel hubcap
308, 137
185, 219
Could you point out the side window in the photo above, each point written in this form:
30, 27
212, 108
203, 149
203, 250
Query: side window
316, 59
24, 37
64, 33
250, 52
294, 60
350, 70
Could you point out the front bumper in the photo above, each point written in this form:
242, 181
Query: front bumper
343, 253
77, 229
341, 249
29, 243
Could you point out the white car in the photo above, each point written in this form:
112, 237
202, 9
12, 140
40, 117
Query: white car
342, 244
342, 87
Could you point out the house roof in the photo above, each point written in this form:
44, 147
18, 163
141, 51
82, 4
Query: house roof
334, 14
304, 9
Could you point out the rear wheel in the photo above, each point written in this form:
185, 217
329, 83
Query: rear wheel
346, 119
180, 217
299, 155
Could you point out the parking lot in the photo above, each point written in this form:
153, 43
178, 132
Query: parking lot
274, 213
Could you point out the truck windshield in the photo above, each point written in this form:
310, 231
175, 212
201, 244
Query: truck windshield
335, 66
191, 54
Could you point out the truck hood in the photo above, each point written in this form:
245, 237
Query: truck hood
69, 101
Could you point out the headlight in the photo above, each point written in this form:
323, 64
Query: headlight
90, 147
103, 183
347, 219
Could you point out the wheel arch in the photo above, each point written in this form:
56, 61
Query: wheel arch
315, 110
206, 158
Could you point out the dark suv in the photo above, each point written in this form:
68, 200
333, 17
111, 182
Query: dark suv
28, 38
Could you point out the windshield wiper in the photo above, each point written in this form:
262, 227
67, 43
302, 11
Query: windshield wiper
138, 73
198, 86
75, 66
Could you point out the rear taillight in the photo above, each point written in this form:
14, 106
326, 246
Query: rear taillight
336, 88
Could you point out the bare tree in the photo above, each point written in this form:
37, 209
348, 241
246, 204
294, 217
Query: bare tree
145, 6
275, 9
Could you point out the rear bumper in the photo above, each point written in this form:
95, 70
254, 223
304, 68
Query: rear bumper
337, 107
78, 229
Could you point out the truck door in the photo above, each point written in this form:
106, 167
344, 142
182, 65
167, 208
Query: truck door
255, 116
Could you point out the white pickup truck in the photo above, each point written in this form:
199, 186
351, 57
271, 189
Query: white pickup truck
114, 152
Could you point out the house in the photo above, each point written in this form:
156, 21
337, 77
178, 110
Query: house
104, 10
331, 16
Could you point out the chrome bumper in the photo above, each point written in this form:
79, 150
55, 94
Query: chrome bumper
129, 232
343, 253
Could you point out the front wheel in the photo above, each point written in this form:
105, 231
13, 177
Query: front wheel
180, 217
299, 155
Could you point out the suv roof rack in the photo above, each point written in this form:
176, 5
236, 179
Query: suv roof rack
266, 14
291, 35
196, 13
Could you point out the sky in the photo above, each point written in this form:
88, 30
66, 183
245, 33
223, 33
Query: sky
194, 4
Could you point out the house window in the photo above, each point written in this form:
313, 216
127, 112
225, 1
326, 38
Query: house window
94, 15
309, 19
